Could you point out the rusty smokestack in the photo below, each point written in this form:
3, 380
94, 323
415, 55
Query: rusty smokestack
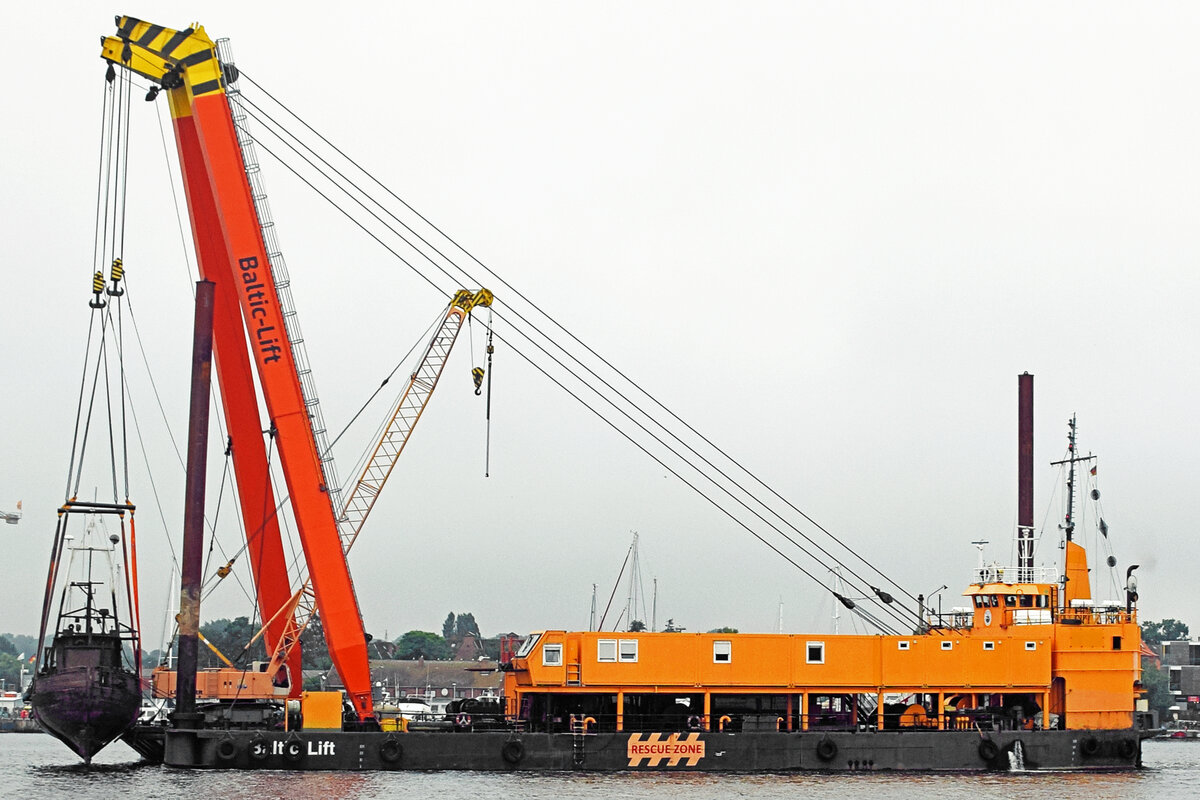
1025, 477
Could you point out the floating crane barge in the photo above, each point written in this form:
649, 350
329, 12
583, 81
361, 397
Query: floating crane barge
1034, 675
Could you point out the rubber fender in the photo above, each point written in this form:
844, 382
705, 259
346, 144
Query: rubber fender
259, 749
1089, 746
391, 750
827, 749
1128, 748
227, 750
988, 750
293, 749
513, 751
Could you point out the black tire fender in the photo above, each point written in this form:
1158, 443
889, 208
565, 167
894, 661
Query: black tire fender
1090, 746
988, 750
513, 751
391, 750
827, 749
1128, 748
227, 750
259, 748
293, 750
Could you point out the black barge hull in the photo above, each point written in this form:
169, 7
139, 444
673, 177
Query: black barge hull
950, 751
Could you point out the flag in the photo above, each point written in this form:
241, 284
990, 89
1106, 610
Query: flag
21, 657
1103, 528
32, 659
1093, 471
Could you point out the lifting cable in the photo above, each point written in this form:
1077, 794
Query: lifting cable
686, 460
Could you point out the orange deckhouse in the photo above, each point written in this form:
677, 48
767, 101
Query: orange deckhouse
1017, 652
1031, 652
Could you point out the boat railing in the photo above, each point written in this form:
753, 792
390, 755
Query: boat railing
994, 573
754, 722
1096, 615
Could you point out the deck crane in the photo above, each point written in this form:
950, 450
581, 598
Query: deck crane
301, 608
232, 252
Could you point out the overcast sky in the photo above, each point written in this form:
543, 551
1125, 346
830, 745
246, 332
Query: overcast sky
827, 235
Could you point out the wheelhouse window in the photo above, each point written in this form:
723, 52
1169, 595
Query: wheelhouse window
552, 655
527, 648
722, 652
606, 650
814, 652
628, 650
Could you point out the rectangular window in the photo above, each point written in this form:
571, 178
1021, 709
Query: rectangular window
552, 655
814, 652
722, 652
528, 646
628, 650
1116, 643
1026, 601
1031, 645
989, 645
902, 644
947, 645
606, 650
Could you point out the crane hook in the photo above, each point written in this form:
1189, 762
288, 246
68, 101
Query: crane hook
97, 288
118, 272
477, 376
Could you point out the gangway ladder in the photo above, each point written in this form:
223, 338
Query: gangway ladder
579, 734
575, 674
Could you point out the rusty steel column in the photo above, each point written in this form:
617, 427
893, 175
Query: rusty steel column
193, 515
1025, 477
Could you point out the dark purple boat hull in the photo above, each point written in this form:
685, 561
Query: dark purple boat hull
86, 707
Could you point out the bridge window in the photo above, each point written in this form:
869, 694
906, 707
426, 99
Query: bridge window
1010, 600
722, 652
1027, 601
814, 653
606, 650
628, 651
552, 655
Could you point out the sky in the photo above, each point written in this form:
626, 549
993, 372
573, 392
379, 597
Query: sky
829, 236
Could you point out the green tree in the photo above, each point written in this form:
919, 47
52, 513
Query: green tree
636, 625
465, 626
6, 646
231, 636
1168, 630
724, 630
418, 644
10, 671
1154, 682
448, 626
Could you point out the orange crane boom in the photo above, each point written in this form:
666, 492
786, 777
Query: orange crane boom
186, 66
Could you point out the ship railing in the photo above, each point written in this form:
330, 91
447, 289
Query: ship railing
994, 573
734, 721
1096, 615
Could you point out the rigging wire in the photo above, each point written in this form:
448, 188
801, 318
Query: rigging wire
658, 439
604, 361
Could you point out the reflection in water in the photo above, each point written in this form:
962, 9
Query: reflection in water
34, 766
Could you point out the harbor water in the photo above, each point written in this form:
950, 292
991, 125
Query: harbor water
38, 766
